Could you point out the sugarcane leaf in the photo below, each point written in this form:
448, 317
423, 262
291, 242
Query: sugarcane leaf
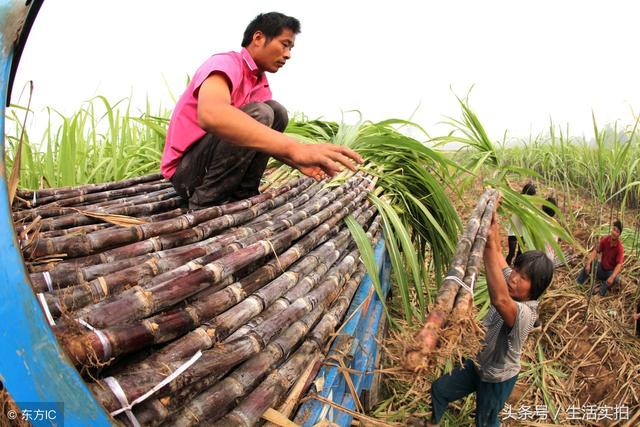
121, 220
408, 250
367, 256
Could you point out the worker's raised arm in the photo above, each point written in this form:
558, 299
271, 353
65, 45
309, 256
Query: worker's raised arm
494, 264
216, 115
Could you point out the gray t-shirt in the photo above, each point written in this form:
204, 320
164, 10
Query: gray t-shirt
499, 360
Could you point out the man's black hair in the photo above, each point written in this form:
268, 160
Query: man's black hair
548, 209
271, 24
618, 224
529, 189
538, 268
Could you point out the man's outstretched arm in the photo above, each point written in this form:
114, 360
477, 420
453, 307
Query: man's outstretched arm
216, 115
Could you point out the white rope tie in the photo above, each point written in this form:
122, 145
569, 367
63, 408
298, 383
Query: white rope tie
462, 284
122, 398
275, 254
47, 279
45, 307
34, 198
104, 341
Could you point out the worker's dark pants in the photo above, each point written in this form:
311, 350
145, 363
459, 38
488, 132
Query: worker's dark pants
600, 280
490, 397
213, 171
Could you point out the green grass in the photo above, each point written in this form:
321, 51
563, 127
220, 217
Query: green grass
98, 143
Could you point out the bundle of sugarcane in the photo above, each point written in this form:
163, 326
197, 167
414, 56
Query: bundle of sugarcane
34, 198
216, 266
243, 284
455, 295
266, 346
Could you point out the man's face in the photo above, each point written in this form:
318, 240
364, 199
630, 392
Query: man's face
519, 286
273, 54
615, 233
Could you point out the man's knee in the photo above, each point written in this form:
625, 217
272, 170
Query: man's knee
280, 115
261, 112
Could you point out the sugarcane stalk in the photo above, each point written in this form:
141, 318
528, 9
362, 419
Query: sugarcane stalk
94, 198
88, 188
214, 303
427, 338
248, 373
318, 192
206, 228
89, 228
82, 229
464, 298
100, 240
136, 270
144, 302
80, 197
166, 326
311, 272
273, 226
285, 297
49, 213
154, 204
66, 274
216, 402
135, 384
98, 289
109, 195
271, 392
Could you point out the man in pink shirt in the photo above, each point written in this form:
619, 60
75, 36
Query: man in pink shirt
226, 125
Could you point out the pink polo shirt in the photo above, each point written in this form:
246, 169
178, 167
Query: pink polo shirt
246, 87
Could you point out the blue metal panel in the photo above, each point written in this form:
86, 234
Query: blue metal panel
33, 367
363, 363
363, 324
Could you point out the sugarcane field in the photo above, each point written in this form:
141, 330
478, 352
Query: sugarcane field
237, 257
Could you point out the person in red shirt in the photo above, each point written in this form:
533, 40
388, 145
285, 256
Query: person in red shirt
608, 268
226, 125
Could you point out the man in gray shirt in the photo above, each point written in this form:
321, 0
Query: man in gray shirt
514, 309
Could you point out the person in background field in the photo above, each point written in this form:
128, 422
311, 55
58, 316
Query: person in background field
514, 309
226, 125
516, 226
551, 253
608, 268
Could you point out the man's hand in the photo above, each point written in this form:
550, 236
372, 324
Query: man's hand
587, 267
610, 281
316, 160
216, 115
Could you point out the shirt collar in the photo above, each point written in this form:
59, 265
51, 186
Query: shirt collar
250, 62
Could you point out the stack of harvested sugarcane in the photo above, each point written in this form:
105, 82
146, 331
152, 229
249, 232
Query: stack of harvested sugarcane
202, 317
454, 301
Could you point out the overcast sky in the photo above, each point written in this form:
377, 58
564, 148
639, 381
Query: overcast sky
528, 61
